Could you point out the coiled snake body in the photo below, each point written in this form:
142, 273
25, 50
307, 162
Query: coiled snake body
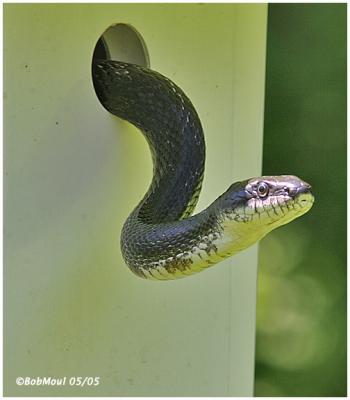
160, 239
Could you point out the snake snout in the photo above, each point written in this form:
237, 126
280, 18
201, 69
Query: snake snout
299, 189
302, 194
304, 188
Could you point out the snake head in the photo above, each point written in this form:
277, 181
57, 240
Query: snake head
250, 209
267, 202
277, 200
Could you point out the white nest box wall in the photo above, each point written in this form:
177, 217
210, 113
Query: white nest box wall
73, 173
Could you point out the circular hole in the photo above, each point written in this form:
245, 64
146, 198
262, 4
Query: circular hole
121, 42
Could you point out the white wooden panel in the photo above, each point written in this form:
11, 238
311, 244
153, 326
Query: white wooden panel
73, 173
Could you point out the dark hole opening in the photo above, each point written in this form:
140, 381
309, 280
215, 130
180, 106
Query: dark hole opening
100, 52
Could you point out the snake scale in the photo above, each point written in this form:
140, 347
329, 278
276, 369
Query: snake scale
161, 239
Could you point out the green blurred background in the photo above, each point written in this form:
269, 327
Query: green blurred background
301, 315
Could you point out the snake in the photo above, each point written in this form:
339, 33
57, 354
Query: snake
162, 239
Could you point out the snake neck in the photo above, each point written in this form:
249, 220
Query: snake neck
182, 248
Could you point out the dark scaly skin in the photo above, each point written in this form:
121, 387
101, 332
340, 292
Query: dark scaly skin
172, 128
174, 133
160, 240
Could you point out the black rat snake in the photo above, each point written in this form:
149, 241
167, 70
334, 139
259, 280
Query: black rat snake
160, 239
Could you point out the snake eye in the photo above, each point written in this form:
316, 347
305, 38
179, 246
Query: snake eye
263, 189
